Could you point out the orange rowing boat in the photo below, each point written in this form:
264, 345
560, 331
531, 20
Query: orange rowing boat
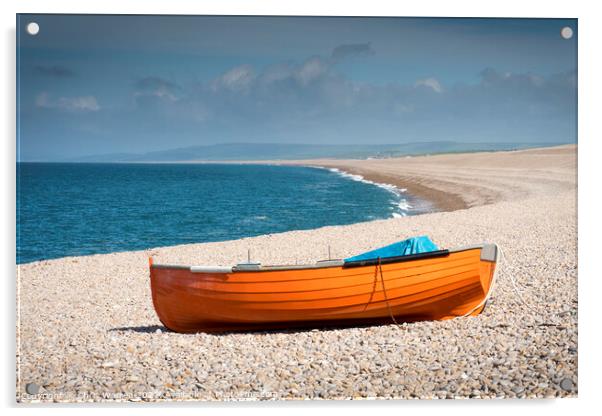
438, 285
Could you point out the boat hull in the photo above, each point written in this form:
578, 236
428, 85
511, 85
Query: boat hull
429, 288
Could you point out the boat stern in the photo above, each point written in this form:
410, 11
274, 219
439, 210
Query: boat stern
489, 257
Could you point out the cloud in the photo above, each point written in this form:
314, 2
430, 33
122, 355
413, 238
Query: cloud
156, 87
431, 83
72, 104
56, 71
492, 77
236, 79
315, 68
312, 100
345, 51
314, 89
311, 69
156, 94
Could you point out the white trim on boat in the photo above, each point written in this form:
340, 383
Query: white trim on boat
489, 252
210, 269
323, 264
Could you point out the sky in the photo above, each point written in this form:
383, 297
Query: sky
102, 84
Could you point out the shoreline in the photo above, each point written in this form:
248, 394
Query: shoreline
441, 201
463, 180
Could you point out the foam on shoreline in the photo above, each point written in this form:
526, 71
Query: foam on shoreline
402, 204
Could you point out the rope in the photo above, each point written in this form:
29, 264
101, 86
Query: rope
519, 295
382, 280
373, 288
485, 299
517, 290
500, 260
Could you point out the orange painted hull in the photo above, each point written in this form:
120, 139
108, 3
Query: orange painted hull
423, 289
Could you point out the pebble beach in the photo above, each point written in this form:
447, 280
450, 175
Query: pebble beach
87, 330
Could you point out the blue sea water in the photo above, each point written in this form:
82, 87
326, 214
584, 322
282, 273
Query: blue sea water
77, 209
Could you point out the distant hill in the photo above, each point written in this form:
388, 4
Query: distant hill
279, 151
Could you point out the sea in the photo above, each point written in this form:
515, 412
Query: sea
73, 209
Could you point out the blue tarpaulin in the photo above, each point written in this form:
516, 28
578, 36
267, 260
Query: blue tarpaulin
413, 245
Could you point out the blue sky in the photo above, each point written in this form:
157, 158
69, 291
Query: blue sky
111, 84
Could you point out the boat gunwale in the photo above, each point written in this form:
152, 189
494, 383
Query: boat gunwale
328, 263
350, 273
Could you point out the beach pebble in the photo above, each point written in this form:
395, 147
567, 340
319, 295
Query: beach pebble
518, 390
32, 388
109, 364
566, 384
